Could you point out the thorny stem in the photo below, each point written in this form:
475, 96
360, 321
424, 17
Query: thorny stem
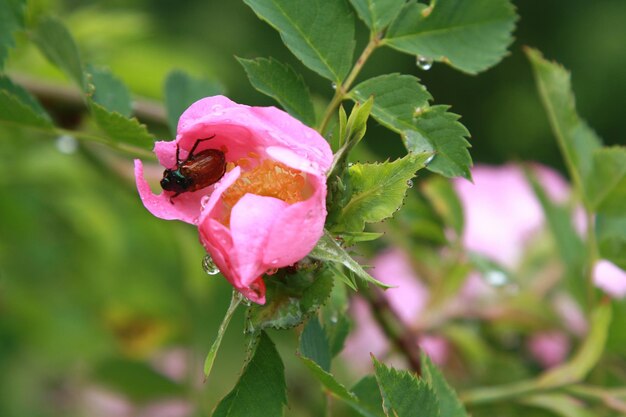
342, 90
404, 338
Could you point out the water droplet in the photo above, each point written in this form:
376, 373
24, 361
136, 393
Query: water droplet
429, 160
424, 63
204, 201
334, 319
66, 144
418, 111
350, 164
209, 266
274, 262
334, 86
496, 278
409, 183
271, 271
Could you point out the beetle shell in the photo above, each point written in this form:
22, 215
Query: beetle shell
204, 169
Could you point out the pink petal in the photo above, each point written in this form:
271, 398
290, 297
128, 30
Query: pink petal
610, 278
297, 228
184, 207
251, 222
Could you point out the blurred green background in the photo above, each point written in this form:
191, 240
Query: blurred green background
93, 288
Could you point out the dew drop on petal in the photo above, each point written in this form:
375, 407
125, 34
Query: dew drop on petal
271, 271
209, 266
204, 201
424, 63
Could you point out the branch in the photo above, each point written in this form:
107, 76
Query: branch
68, 96
403, 337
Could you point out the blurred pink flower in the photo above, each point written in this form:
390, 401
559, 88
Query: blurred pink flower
570, 312
610, 278
436, 347
501, 210
98, 402
269, 208
407, 298
549, 348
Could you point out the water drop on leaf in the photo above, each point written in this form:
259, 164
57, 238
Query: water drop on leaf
334, 86
409, 183
429, 160
424, 63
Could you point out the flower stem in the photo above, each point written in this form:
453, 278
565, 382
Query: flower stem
342, 90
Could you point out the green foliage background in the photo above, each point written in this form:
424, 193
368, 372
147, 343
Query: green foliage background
92, 287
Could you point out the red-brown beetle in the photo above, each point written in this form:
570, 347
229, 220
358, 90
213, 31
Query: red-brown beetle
196, 171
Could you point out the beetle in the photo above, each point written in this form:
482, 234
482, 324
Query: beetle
194, 172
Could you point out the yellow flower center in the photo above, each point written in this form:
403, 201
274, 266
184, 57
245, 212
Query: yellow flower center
269, 179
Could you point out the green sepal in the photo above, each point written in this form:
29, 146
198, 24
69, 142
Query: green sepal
291, 298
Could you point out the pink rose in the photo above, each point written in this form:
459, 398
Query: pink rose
269, 208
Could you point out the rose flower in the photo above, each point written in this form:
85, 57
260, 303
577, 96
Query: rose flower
268, 209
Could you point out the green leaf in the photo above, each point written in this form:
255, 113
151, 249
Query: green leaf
576, 140
569, 244
401, 103
611, 237
335, 320
210, 358
606, 184
403, 394
181, 91
351, 131
18, 106
377, 14
588, 354
57, 44
328, 380
439, 130
377, 191
109, 92
291, 299
121, 129
314, 344
441, 195
11, 20
469, 35
283, 84
261, 389
370, 401
352, 238
320, 33
315, 355
329, 250
449, 403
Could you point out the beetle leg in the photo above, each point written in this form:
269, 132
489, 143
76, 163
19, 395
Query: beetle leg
195, 145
